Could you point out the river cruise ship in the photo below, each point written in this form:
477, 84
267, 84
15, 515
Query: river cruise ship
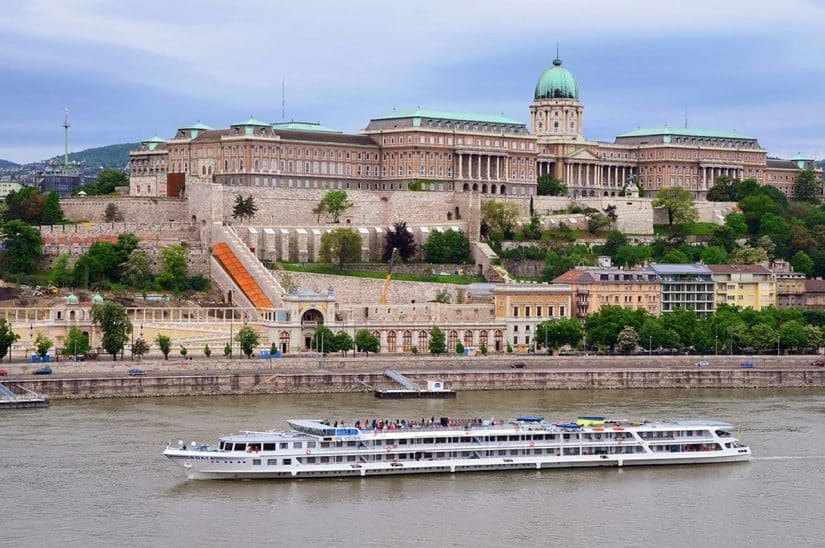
324, 449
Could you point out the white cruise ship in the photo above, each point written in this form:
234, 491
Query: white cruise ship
321, 449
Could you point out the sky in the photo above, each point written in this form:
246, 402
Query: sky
127, 70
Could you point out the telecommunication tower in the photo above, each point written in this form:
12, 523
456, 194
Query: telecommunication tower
66, 141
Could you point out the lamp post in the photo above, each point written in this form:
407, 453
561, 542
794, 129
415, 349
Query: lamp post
716, 343
777, 344
650, 346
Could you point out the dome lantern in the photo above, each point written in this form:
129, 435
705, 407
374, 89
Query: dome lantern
557, 83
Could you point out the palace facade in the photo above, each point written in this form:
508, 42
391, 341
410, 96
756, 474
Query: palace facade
457, 152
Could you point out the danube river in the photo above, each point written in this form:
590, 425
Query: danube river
90, 473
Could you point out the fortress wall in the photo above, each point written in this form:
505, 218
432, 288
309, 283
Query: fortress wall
135, 209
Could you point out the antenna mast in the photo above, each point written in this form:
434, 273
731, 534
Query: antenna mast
66, 140
283, 98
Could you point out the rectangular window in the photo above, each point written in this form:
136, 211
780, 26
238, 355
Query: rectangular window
515, 312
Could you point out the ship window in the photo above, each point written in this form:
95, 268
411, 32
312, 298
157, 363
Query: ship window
428, 440
310, 460
240, 447
221, 447
298, 445
514, 438
310, 444
351, 444
402, 441
287, 461
284, 445
269, 447
271, 462
324, 445
256, 462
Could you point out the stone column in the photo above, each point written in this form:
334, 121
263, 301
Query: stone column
506, 168
488, 168
460, 165
479, 166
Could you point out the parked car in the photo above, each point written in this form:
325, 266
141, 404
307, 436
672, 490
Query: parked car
818, 363
518, 365
43, 371
3, 372
135, 372
703, 363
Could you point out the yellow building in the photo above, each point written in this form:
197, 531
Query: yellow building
744, 285
523, 306
595, 287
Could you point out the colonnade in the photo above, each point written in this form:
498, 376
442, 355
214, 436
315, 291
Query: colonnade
597, 175
709, 174
492, 167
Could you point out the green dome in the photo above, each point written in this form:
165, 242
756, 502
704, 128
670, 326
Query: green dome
72, 299
557, 83
97, 299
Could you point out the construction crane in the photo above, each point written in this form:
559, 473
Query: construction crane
386, 290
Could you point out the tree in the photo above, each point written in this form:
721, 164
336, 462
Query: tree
596, 222
557, 333
500, 216
106, 183
674, 256
136, 270
207, 351
654, 334
762, 336
227, 350
7, 337
603, 327
628, 340
165, 344
174, 267
61, 274
333, 204
807, 186
248, 340
365, 341
24, 246
714, 255
343, 342
52, 212
244, 208
748, 255
323, 340
679, 204
801, 262
140, 348
737, 223
792, 334
340, 246
450, 246
443, 296
113, 214
437, 341
550, 186
399, 237
77, 342
112, 320
26, 205
459, 347
42, 344
183, 351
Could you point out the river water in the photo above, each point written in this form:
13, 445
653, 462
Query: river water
90, 473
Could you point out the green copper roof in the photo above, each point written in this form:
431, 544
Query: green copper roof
557, 83
800, 158
154, 139
198, 125
251, 122
443, 115
303, 126
684, 132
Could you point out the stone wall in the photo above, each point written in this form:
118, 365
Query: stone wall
135, 209
525, 268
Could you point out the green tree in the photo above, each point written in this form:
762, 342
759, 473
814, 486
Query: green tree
244, 208
112, 320
714, 255
654, 334
340, 246
459, 347
399, 237
140, 348
365, 342
603, 327
207, 351
76, 343
748, 255
437, 341
755, 207
737, 223
553, 334
792, 334
164, 342
136, 270
247, 339
762, 336
7, 337
24, 247
61, 274
343, 342
227, 351
183, 351
679, 204
674, 256
42, 344
106, 183
596, 222
801, 262
323, 340
500, 216
52, 212
450, 246
174, 267
333, 204
113, 214
550, 186
808, 186
628, 340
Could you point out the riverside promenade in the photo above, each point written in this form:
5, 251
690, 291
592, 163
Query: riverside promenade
314, 374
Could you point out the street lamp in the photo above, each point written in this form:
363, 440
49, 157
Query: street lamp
650, 346
777, 345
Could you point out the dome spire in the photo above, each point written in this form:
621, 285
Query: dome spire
557, 60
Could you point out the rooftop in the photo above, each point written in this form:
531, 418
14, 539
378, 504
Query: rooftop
738, 269
697, 269
303, 126
444, 115
685, 132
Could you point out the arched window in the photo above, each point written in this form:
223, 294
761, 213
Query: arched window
451, 341
499, 340
391, 342
468, 338
482, 338
406, 344
423, 341
283, 339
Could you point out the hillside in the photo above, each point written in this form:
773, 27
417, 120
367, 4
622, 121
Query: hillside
6, 164
98, 158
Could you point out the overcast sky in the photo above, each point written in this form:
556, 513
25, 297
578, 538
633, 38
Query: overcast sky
128, 69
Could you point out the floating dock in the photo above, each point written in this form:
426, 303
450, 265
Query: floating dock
24, 400
435, 389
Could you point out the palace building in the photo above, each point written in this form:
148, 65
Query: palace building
457, 152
